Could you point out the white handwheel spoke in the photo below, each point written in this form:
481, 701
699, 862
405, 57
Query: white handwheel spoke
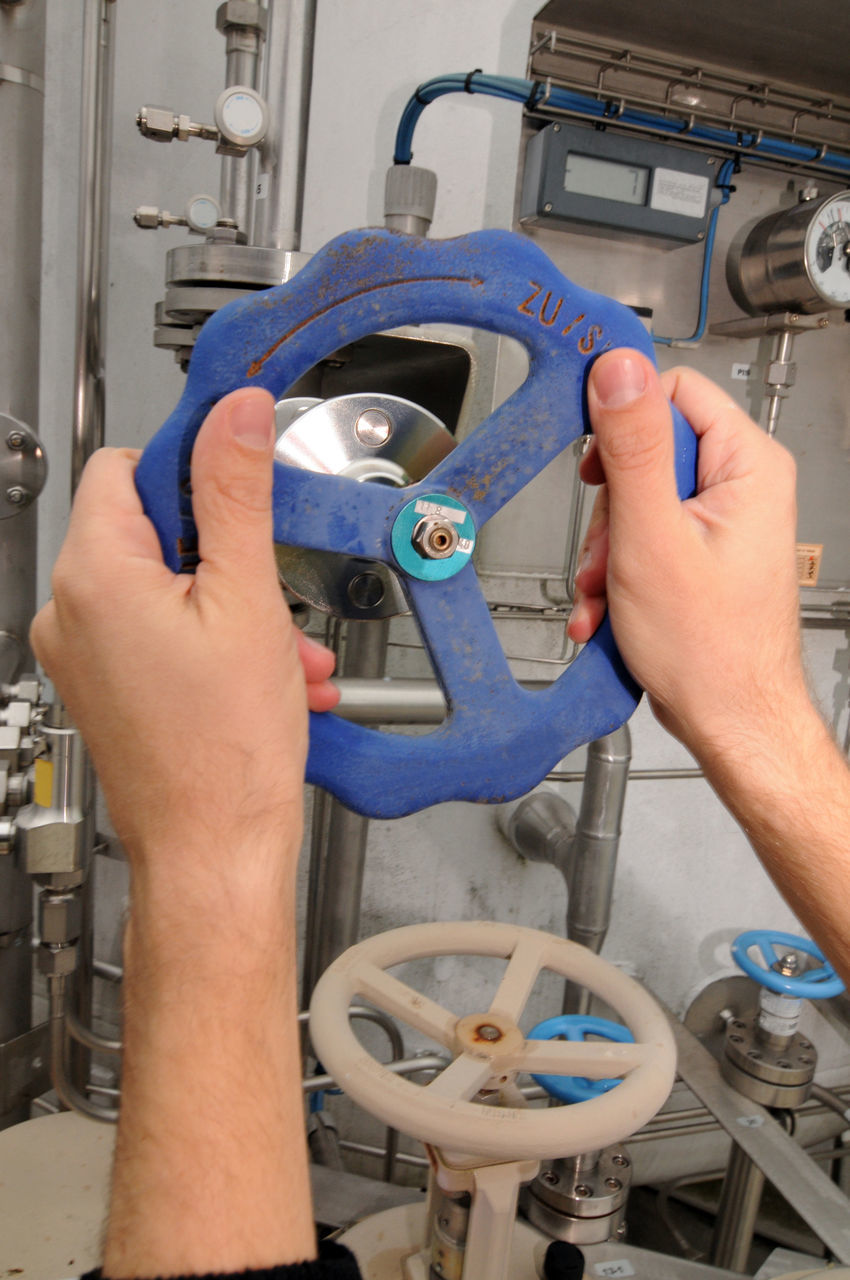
409, 1006
462, 1079
519, 978
597, 1059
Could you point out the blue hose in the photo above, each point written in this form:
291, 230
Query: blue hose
531, 92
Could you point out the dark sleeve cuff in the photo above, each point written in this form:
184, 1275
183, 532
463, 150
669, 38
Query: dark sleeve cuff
334, 1262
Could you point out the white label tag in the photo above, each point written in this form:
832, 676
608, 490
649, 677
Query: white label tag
614, 1270
750, 1122
262, 186
741, 371
423, 508
675, 192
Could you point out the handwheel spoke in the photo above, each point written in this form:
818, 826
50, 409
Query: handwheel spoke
519, 978
462, 1079
595, 1060
332, 513
456, 626
409, 1006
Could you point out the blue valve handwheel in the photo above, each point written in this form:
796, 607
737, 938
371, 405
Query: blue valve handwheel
814, 984
498, 740
577, 1027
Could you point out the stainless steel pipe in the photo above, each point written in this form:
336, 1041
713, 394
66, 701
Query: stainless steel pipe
287, 81
93, 229
593, 856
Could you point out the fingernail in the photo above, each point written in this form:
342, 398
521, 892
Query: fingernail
618, 381
251, 422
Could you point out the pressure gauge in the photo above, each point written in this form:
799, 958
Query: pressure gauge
202, 213
241, 116
796, 260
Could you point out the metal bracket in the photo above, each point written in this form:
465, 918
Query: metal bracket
23, 466
24, 1068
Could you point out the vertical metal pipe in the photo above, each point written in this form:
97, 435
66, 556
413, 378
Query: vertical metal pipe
593, 857
22, 41
287, 80
737, 1212
237, 172
93, 239
335, 923
782, 355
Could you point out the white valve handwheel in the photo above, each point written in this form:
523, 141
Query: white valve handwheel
442, 1112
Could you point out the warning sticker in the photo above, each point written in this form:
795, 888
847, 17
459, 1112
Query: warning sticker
808, 563
676, 192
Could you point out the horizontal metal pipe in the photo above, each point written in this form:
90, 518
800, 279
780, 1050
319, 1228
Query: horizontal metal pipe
406, 1067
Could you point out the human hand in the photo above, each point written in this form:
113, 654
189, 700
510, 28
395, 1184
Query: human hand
187, 689
703, 593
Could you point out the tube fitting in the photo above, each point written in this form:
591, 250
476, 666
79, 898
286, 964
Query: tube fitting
410, 194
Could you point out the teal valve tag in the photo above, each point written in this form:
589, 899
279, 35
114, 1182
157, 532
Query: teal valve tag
437, 522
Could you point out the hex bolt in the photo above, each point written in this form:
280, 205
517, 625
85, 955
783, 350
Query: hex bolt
435, 538
15, 440
16, 495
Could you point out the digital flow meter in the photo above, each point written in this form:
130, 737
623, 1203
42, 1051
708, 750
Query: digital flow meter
796, 260
581, 178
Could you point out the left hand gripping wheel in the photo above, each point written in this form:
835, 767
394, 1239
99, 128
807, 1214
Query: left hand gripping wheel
498, 740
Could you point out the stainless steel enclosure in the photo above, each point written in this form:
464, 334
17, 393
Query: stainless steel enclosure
22, 29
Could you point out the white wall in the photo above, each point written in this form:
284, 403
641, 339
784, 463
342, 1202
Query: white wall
687, 881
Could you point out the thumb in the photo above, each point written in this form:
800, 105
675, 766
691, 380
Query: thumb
232, 485
633, 429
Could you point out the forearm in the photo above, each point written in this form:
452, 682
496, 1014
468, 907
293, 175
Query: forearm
211, 1167
788, 784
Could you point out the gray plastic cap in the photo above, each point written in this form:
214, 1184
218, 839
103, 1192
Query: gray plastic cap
409, 198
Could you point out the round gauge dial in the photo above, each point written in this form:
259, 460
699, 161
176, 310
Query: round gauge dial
241, 116
828, 250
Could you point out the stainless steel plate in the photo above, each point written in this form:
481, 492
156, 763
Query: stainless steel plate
372, 439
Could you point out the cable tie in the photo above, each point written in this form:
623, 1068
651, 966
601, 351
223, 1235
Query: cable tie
467, 84
529, 102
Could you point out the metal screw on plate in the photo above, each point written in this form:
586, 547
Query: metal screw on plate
621, 1162
547, 208
550, 1177
366, 591
583, 1191
613, 1184
488, 1032
16, 495
373, 427
15, 440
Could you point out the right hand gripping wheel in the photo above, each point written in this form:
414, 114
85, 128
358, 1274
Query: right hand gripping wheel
819, 983
498, 739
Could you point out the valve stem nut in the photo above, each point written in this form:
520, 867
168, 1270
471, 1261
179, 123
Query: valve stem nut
434, 538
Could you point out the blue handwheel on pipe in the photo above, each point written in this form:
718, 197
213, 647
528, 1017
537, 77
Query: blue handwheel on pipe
577, 1027
819, 983
498, 740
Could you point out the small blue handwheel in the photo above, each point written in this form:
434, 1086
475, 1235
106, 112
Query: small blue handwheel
815, 984
498, 739
578, 1027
